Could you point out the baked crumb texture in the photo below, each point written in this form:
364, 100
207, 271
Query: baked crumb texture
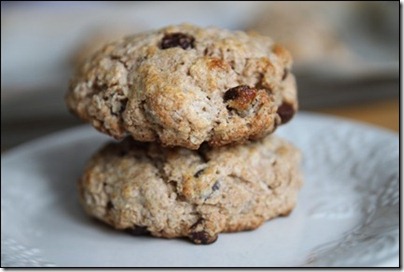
176, 192
184, 85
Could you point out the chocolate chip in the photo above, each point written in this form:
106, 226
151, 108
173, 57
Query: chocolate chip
197, 174
202, 237
216, 186
182, 40
138, 230
285, 74
233, 93
286, 112
240, 97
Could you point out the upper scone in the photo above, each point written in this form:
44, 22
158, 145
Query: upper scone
185, 85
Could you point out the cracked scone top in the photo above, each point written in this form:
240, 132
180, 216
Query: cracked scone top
184, 85
177, 192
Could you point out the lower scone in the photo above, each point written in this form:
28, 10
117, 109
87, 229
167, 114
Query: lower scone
175, 192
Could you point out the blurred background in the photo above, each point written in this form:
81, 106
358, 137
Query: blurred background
346, 54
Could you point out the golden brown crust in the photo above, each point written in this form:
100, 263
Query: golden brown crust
175, 95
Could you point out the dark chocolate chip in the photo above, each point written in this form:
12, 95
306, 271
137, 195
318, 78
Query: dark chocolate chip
202, 237
240, 97
197, 174
239, 91
286, 112
235, 92
182, 40
216, 186
138, 230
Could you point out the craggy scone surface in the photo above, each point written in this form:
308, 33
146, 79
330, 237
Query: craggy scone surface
184, 85
177, 192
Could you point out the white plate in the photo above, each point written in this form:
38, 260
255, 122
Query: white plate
347, 213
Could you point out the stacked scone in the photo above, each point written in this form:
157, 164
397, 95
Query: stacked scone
195, 108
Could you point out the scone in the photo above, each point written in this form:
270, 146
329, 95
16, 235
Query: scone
177, 192
185, 85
